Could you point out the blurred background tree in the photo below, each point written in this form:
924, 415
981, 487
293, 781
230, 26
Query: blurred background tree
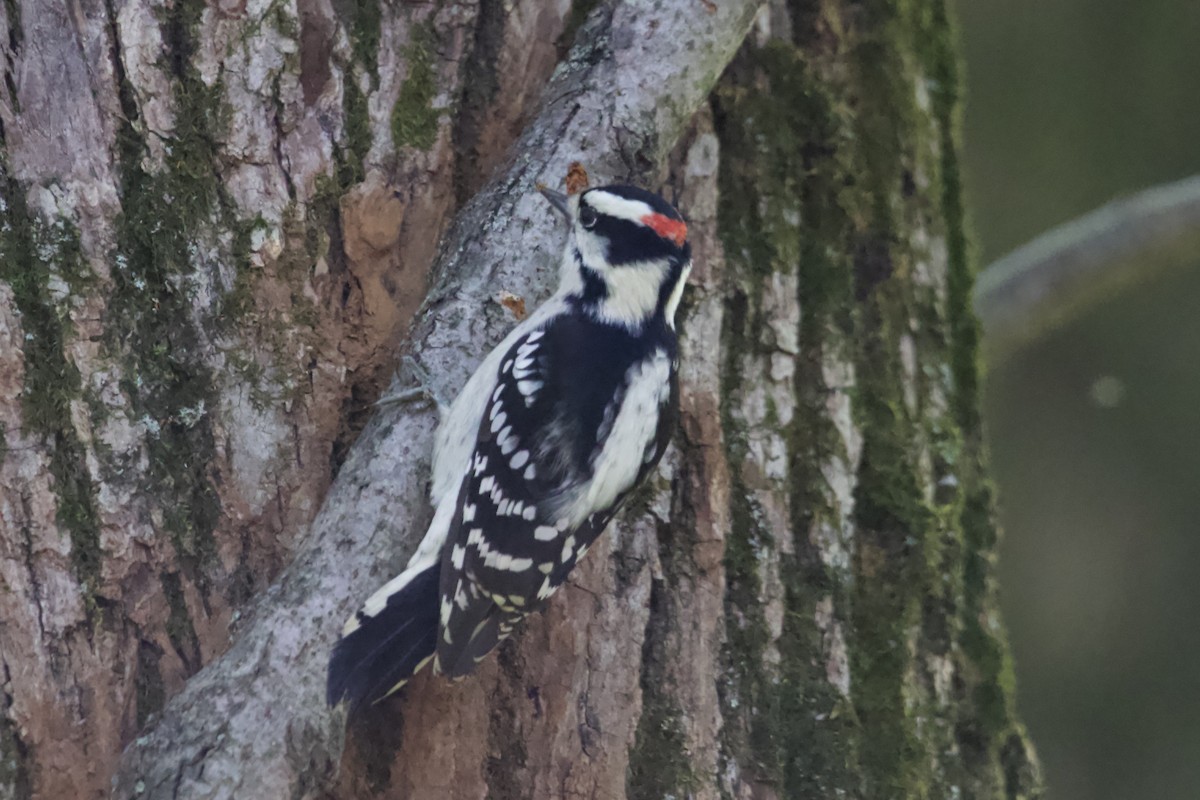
1094, 427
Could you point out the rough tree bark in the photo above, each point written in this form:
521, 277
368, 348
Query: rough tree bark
219, 222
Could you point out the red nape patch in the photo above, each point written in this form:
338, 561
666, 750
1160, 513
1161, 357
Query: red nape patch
664, 226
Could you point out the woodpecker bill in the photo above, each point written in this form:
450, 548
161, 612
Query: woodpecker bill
551, 433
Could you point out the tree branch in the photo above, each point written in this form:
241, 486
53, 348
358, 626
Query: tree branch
254, 722
1068, 269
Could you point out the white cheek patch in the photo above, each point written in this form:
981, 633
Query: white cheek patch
633, 291
592, 251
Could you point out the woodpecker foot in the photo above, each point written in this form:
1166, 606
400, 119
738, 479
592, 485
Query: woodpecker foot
422, 393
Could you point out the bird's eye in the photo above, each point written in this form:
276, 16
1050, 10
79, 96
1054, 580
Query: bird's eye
587, 216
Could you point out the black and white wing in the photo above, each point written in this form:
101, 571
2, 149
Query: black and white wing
551, 465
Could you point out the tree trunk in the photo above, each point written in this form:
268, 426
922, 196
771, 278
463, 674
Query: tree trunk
219, 222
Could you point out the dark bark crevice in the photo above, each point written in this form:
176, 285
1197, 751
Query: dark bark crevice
480, 87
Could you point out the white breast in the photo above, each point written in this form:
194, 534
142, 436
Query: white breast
634, 429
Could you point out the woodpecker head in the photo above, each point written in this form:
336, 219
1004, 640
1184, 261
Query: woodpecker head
627, 257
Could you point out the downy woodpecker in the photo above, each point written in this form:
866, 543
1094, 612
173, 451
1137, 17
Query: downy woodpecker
549, 436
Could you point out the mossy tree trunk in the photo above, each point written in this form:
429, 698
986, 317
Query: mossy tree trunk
220, 219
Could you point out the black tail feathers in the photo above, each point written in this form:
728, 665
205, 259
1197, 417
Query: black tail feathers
388, 648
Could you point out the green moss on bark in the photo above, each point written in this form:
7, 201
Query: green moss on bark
43, 264
350, 167
988, 728
830, 166
169, 220
746, 691
239, 300
778, 172
660, 764
891, 578
414, 119
363, 20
